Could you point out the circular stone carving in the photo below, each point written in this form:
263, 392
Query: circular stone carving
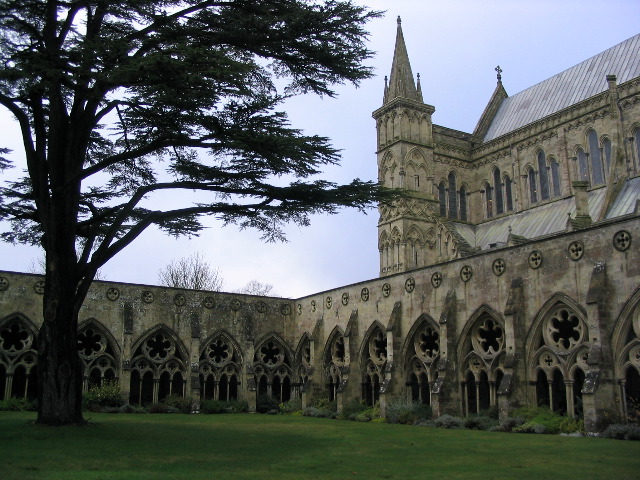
313, 305
208, 302
113, 294
235, 304
576, 250
147, 296
261, 307
535, 259
299, 308
466, 273
436, 279
564, 330
498, 266
38, 287
386, 290
4, 284
328, 302
634, 355
179, 299
345, 299
622, 240
364, 294
378, 348
285, 309
410, 284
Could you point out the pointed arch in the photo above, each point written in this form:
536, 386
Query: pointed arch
420, 355
464, 188
99, 353
273, 366
18, 357
597, 172
530, 175
543, 174
498, 190
452, 180
554, 167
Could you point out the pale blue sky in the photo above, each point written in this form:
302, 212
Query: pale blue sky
455, 46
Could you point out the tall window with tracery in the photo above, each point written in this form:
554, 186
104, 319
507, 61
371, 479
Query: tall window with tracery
497, 182
18, 358
597, 172
97, 354
453, 196
374, 363
423, 350
543, 175
272, 370
219, 369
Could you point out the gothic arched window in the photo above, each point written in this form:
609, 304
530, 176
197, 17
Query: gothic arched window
544, 176
453, 192
555, 176
606, 148
497, 181
507, 192
442, 198
533, 190
463, 203
583, 169
597, 175
488, 194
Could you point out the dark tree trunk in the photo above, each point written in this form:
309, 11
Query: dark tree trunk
59, 367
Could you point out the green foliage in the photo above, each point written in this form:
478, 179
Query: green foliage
480, 422
178, 403
543, 422
353, 408
449, 422
407, 412
509, 423
13, 404
266, 404
220, 406
622, 432
99, 398
293, 405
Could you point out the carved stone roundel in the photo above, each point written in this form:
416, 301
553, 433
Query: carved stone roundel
386, 290
113, 294
535, 259
622, 241
147, 296
38, 287
436, 279
498, 266
179, 299
466, 273
576, 250
285, 309
208, 302
4, 284
313, 305
235, 304
410, 284
328, 302
345, 299
261, 307
564, 330
364, 294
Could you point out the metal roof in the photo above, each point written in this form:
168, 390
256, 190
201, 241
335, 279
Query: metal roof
626, 201
533, 223
575, 84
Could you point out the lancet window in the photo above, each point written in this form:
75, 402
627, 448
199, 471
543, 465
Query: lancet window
334, 364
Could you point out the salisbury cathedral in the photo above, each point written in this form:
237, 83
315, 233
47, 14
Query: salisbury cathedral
509, 274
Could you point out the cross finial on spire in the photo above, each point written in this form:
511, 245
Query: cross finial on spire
399, 20
499, 70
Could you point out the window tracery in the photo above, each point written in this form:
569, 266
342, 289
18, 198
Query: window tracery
18, 359
272, 369
98, 356
219, 369
423, 352
374, 363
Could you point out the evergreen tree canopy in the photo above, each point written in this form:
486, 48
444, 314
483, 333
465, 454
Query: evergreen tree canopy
121, 102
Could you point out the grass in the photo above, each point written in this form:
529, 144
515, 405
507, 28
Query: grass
159, 447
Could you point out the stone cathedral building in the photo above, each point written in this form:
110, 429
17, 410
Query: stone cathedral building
509, 274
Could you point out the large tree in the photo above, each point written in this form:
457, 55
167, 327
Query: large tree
121, 102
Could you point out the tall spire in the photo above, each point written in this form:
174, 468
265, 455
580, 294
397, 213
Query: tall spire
401, 82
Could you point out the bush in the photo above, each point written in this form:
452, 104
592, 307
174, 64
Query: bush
572, 425
18, 405
622, 432
448, 421
161, 408
293, 405
407, 412
509, 423
107, 395
180, 404
547, 422
266, 404
352, 409
480, 422
318, 413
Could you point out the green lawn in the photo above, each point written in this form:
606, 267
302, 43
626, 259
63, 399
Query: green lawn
159, 447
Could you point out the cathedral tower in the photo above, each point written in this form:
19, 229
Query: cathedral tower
407, 230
